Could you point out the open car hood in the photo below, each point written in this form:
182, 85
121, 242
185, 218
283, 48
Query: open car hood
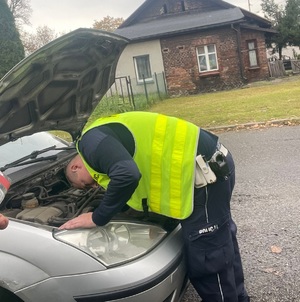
59, 85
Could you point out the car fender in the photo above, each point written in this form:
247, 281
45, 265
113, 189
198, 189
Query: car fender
17, 273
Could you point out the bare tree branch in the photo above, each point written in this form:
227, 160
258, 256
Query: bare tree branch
34, 41
21, 11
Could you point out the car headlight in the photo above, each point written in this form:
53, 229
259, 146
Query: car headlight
115, 242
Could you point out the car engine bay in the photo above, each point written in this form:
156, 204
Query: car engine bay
48, 199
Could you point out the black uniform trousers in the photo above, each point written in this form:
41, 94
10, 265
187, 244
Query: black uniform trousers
212, 251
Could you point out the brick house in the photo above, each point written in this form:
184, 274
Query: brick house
200, 45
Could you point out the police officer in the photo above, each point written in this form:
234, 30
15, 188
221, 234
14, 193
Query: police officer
149, 160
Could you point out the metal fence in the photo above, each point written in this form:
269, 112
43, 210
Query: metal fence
127, 88
122, 89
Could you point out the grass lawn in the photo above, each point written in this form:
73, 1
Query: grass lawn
257, 102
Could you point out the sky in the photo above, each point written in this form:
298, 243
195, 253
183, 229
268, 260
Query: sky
67, 15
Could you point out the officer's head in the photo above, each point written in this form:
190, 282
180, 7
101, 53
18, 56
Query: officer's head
78, 175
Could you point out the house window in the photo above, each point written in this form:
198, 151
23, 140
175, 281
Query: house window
142, 68
207, 58
252, 50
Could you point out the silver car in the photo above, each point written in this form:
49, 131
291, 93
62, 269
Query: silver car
133, 258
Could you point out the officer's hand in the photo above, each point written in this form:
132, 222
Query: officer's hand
82, 221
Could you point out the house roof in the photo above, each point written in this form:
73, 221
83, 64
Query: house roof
266, 30
180, 24
147, 3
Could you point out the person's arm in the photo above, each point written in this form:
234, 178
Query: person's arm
112, 159
124, 179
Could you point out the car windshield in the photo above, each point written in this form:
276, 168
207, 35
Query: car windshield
23, 146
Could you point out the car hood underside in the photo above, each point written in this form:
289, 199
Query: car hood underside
58, 86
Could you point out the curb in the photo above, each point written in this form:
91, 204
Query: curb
257, 125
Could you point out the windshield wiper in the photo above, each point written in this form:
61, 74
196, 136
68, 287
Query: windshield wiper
11, 165
33, 156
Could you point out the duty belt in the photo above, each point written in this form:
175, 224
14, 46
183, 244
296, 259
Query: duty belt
206, 172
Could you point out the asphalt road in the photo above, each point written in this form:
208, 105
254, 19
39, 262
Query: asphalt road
266, 208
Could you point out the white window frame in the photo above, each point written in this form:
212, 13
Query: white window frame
139, 76
204, 58
252, 52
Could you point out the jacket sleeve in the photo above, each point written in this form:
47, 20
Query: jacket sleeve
107, 155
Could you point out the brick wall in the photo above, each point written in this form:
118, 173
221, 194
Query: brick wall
181, 65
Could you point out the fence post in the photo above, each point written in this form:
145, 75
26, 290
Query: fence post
130, 92
117, 92
165, 82
146, 92
157, 86
121, 87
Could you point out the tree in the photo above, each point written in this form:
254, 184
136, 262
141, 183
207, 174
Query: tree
21, 11
11, 48
34, 41
108, 23
286, 20
290, 25
272, 11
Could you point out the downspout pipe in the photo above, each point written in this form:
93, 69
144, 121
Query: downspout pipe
239, 45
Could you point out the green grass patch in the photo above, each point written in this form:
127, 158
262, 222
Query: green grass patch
262, 102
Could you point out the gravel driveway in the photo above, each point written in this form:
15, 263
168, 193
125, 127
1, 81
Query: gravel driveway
266, 208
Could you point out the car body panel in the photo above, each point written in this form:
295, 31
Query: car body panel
59, 289
56, 269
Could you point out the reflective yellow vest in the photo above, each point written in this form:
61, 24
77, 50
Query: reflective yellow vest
165, 151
